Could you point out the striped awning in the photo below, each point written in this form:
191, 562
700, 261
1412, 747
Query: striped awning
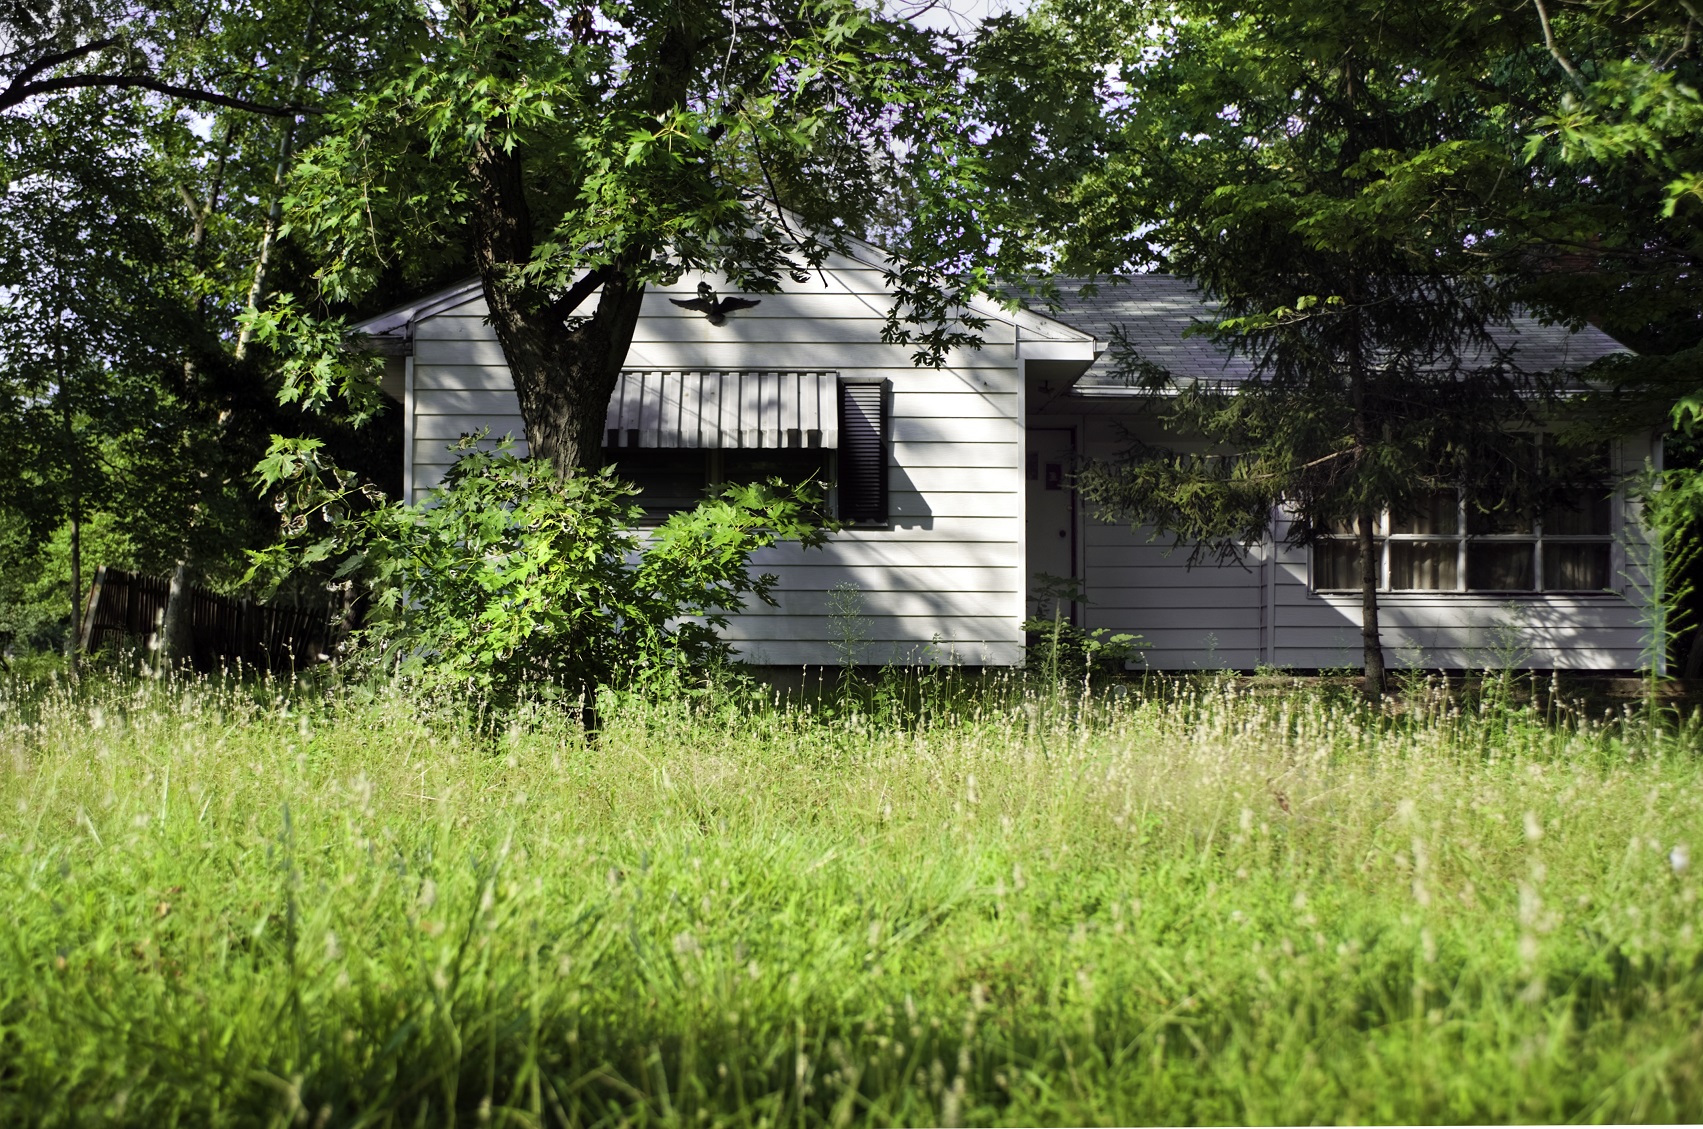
723, 408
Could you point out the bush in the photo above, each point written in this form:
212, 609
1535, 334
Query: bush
510, 580
1060, 649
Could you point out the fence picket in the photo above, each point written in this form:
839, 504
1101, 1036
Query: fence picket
223, 629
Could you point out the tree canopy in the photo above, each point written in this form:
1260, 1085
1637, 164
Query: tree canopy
1364, 193
576, 154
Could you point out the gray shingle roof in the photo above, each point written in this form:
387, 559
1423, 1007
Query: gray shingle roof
1154, 311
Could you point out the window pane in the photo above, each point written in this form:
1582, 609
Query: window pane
1336, 565
668, 480
1580, 516
1499, 568
1591, 459
1575, 567
1504, 521
1423, 565
1440, 513
759, 465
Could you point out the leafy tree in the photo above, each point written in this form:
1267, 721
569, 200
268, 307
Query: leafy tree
1616, 136
1618, 222
578, 154
165, 224
84, 329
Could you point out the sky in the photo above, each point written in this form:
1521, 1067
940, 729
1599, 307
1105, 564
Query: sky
953, 15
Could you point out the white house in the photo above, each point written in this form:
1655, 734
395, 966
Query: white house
955, 484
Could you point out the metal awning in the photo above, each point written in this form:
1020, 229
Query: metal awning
723, 408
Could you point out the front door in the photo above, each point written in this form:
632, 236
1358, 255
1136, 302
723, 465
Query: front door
1053, 573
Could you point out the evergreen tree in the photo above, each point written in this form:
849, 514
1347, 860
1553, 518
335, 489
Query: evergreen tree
1329, 190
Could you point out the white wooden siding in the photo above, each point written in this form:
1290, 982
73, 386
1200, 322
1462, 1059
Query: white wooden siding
1202, 618
1236, 618
943, 584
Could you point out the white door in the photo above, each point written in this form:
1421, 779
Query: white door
1052, 526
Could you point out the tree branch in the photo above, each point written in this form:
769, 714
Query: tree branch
57, 58
1555, 48
15, 94
579, 292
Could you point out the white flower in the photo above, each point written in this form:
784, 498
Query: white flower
1534, 828
1679, 858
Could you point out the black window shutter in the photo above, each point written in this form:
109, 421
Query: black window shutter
863, 453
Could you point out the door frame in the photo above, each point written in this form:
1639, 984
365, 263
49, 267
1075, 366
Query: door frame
1037, 482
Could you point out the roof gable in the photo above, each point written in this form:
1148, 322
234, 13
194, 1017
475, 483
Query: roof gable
395, 326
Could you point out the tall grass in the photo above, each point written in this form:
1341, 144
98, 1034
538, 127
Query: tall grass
238, 904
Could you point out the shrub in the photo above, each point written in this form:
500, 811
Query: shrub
508, 579
1058, 648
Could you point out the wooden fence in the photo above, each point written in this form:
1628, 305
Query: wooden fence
223, 630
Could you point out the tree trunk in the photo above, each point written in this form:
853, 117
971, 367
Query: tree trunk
176, 639
75, 488
563, 376
1371, 645
275, 211
1372, 649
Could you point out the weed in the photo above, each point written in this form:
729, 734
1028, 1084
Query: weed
271, 901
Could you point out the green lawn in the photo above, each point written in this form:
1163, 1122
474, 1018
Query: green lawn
234, 906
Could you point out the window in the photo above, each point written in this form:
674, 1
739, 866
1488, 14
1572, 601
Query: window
680, 434
673, 480
787, 464
863, 453
668, 480
1449, 547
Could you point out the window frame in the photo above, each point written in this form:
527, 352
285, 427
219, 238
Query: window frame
1463, 538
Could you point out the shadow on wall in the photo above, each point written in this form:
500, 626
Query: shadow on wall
907, 507
1581, 632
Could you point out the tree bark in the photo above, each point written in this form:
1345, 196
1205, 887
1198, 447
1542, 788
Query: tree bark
76, 491
176, 640
563, 375
1370, 643
1371, 646
74, 485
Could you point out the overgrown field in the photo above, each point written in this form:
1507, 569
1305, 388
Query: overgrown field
231, 905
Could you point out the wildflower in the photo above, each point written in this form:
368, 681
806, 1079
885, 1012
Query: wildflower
1679, 858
